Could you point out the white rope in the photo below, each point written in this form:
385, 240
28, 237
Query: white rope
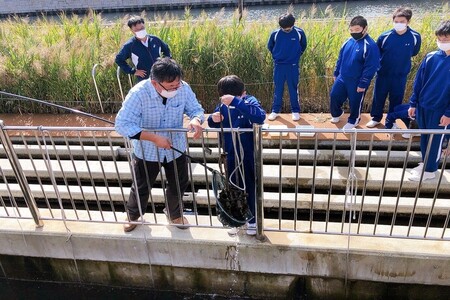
239, 160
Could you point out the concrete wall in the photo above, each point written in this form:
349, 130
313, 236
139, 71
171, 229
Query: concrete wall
52, 6
207, 260
36, 6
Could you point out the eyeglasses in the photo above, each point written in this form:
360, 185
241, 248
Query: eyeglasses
180, 84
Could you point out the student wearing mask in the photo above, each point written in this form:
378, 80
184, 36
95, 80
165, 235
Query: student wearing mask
430, 101
286, 45
143, 49
358, 61
397, 47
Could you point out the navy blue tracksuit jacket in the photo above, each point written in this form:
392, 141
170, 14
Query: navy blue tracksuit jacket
431, 98
396, 52
141, 56
245, 113
286, 49
357, 63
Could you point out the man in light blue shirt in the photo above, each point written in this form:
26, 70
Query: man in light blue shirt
159, 103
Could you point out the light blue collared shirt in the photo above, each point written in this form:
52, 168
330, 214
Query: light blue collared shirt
143, 108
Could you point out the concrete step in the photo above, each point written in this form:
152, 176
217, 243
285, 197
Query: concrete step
65, 152
371, 204
321, 156
289, 156
283, 177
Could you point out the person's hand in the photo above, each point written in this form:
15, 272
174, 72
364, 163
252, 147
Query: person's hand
334, 78
195, 125
140, 73
445, 121
446, 151
162, 142
217, 117
412, 112
226, 99
360, 90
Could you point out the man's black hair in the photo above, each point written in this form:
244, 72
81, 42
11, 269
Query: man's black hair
358, 20
166, 69
286, 20
443, 29
134, 20
402, 12
230, 85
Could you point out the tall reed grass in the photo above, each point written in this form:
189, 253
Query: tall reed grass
52, 60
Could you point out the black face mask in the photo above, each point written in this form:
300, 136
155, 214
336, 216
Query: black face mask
357, 35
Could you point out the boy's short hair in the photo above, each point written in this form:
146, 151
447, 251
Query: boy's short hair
286, 20
358, 20
134, 20
230, 85
166, 69
402, 12
443, 29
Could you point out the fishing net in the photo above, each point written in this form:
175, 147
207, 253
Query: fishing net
231, 202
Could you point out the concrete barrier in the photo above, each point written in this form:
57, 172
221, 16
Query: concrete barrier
208, 260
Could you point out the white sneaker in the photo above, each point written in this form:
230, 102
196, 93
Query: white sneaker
409, 135
251, 229
295, 116
395, 126
372, 123
426, 176
336, 119
418, 169
349, 126
233, 231
272, 116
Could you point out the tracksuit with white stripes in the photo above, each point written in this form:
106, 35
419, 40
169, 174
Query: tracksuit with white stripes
431, 98
356, 65
286, 49
143, 56
396, 51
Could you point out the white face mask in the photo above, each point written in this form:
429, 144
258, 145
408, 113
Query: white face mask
141, 34
400, 26
168, 94
443, 46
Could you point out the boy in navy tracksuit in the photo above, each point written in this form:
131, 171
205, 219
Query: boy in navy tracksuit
286, 45
397, 46
357, 63
430, 101
245, 110
143, 49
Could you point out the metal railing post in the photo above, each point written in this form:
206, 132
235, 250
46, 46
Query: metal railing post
120, 84
96, 88
259, 209
20, 176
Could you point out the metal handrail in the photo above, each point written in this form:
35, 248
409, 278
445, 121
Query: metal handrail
87, 167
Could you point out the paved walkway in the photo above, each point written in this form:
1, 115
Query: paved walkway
317, 120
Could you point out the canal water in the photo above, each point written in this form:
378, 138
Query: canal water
368, 9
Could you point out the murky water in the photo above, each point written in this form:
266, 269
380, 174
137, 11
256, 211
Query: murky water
368, 9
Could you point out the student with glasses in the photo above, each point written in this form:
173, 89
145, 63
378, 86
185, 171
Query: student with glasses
159, 103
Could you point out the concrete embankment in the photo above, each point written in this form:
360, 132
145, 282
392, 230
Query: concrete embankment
207, 260
32, 7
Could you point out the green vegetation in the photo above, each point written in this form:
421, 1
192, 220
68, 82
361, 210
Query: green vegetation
52, 60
